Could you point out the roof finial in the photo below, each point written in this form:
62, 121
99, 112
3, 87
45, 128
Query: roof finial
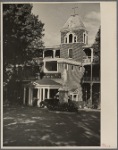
74, 8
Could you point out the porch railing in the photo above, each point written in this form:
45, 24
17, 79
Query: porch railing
86, 59
52, 75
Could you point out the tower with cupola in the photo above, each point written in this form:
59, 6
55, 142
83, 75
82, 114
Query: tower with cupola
73, 37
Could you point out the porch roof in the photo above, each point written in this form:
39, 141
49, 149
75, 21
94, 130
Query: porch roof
43, 82
46, 82
63, 60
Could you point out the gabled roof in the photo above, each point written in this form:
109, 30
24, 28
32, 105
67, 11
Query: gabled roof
73, 23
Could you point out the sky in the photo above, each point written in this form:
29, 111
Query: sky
55, 15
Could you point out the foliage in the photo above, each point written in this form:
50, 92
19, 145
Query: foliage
22, 34
54, 104
97, 44
71, 107
50, 103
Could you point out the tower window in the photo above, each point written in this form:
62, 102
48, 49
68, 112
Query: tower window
72, 67
70, 38
84, 38
66, 66
70, 51
65, 39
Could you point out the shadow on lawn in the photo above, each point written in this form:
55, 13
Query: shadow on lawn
40, 127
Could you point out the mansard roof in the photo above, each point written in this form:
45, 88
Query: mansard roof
73, 23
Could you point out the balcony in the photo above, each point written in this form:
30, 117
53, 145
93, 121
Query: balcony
88, 79
51, 53
53, 76
86, 59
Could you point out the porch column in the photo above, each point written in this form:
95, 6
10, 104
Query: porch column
91, 55
48, 93
43, 93
24, 95
53, 53
29, 96
38, 96
91, 84
44, 68
91, 90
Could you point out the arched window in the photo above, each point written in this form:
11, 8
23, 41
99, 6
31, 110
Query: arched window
70, 38
85, 38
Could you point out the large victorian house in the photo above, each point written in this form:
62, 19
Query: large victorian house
71, 65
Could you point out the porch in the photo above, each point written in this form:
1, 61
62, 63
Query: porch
40, 90
51, 53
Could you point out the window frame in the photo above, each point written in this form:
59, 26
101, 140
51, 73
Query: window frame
85, 37
66, 66
69, 53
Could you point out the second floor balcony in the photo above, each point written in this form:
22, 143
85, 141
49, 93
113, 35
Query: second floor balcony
53, 76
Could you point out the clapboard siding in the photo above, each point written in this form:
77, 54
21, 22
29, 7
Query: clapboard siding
77, 53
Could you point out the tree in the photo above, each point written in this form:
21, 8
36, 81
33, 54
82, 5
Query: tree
97, 47
21, 29
22, 36
97, 44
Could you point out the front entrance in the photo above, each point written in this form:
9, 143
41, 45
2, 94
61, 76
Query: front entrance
53, 93
35, 92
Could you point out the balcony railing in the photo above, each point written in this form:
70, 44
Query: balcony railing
88, 79
46, 75
54, 75
86, 59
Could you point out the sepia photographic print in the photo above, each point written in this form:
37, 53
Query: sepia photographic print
52, 81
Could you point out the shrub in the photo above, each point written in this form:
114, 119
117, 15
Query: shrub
54, 104
63, 107
50, 103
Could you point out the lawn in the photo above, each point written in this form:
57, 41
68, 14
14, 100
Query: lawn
33, 126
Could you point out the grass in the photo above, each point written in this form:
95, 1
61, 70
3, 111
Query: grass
32, 126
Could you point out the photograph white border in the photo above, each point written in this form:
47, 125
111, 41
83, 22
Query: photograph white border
108, 78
